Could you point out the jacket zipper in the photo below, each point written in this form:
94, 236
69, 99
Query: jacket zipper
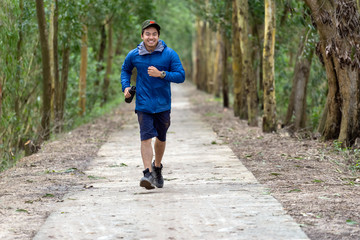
152, 90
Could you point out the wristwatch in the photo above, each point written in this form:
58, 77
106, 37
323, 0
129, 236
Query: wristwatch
163, 74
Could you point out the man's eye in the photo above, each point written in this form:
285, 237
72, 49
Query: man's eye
149, 34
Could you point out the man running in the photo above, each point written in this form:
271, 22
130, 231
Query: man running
157, 66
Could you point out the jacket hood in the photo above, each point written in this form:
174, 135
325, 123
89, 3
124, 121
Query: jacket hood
159, 48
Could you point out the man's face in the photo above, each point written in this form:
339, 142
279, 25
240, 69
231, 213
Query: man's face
150, 38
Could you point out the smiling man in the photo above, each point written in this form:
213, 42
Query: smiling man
157, 66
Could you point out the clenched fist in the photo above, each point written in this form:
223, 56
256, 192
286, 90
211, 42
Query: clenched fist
154, 72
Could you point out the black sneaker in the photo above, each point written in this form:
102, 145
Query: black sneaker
148, 180
158, 178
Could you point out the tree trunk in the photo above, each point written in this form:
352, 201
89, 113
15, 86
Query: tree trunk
46, 110
83, 69
217, 58
108, 63
247, 68
64, 81
240, 109
322, 122
296, 112
209, 63
51, 53
202, 68
100, 60
57, 90
196, 53
257, 33
118, 45
269, 118
218, 63
1, 97
339, 27
225, 83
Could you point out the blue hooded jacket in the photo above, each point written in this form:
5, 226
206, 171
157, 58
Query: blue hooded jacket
153, 94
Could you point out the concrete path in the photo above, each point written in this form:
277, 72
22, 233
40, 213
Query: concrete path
208, 193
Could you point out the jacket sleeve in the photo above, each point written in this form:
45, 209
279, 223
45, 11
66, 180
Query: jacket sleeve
126, 71
176, 73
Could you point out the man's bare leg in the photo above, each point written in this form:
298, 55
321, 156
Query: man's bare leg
159, 151
147, 153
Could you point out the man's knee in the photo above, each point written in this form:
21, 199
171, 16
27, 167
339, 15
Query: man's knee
160, 141
146, 141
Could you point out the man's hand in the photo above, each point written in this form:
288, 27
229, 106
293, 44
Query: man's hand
126, 92
154, 72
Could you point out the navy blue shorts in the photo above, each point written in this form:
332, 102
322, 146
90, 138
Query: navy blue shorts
153, 125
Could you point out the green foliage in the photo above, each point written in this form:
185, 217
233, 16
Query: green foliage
352, 155
351, 222
70, 26
217, 13
356, 163
292, 20
176, 31
257, 11
287, 37
316, 94
20, 55
94, 107
20, 61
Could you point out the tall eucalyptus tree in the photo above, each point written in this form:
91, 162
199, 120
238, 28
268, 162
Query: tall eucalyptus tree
338, 25
46, 74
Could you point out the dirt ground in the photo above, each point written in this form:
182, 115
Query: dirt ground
310, 178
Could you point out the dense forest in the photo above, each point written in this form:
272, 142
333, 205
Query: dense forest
278, 63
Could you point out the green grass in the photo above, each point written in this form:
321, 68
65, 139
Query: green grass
97, 112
